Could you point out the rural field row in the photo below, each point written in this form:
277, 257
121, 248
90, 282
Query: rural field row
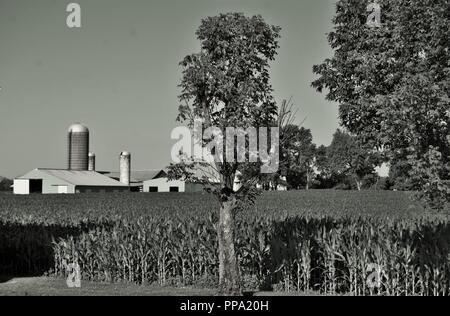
326, 241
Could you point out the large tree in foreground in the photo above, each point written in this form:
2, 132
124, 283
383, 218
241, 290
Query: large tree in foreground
226, 85
392, 85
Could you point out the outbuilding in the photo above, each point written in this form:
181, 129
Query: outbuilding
54, 181
161, 183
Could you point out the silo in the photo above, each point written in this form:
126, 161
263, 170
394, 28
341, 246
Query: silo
125, 167
77, 147
91, 164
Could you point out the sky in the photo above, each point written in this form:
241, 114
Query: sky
119, 74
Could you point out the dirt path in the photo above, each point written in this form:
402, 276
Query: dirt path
43, 286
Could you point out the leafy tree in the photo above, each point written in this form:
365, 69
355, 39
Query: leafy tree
325, 178
347, 157
391, 84
399, 175
5, 184
286, 117
227, 84
298, 152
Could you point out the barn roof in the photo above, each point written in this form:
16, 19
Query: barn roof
137, 176
77, 178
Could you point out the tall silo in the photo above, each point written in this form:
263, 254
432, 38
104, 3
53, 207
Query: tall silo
125, 167
77, 147
91, 164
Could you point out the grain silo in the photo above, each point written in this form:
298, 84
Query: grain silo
77, 147
125, 167
91, 164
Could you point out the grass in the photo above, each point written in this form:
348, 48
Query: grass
44, 286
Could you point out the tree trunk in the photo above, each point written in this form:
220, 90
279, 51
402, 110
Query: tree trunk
359, 184
229, 279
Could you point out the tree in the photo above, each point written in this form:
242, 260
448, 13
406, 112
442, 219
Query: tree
5, 184
347, 157
227, 84
399, 175
392, 82
298, 153
286, 117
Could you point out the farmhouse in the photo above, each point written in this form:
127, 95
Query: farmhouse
53, 181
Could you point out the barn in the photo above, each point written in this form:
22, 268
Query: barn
137, 177
161, 183
155, 180
54, 181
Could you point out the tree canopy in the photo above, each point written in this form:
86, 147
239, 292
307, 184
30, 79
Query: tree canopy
348, 157
392, 85
227, 83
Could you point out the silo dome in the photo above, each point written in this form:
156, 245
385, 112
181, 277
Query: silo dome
78, 128
78, 147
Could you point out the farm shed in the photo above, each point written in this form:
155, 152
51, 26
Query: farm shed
165, 185
160, 183
54, 181
137, 177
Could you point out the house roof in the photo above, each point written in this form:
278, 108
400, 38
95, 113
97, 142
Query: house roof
208, 173
137, 176
77, 178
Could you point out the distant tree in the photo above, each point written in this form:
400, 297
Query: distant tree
347, 157
325, 178
286, 117
298, 152
392, 85
399, 175
5, 184
227, 85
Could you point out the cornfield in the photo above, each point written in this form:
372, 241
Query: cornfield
288, 241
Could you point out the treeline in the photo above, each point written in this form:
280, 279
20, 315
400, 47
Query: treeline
345, 164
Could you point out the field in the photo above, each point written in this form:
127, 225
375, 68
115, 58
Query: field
325, 241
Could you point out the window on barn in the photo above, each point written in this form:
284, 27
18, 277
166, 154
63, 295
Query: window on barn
153, 189
174, 189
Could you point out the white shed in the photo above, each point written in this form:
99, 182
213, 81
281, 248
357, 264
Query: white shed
56, 181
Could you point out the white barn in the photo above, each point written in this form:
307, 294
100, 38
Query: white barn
55, 181
164, 185
160, 183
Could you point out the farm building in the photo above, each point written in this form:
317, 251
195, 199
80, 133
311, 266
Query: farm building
81, 175
154, 180
54, 181
137, 177
162, 184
